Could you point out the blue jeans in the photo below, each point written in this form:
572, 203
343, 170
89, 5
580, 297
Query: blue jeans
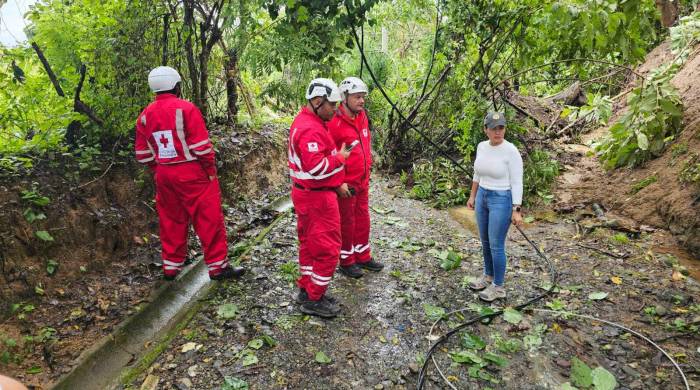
493, 215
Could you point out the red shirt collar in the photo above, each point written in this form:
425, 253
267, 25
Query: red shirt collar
306, 110
343, 115
164, 96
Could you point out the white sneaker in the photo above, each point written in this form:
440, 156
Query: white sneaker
492, 293
481, 283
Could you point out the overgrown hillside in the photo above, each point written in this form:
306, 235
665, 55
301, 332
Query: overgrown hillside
662, 191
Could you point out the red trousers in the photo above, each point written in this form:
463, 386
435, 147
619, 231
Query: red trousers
318, 228
185, 194
354, 214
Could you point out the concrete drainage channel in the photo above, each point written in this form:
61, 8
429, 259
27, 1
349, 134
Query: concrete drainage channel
122, 355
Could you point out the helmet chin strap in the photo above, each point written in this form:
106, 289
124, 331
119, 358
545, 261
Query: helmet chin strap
345, 103
315, 108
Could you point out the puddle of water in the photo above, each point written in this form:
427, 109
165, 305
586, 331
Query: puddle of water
281, 205
466, 218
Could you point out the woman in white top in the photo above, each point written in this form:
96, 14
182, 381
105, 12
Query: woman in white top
497, 192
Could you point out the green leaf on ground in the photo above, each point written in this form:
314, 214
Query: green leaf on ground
603, 379
580, 373
451, 260
227, 311
500, 361
249, 359
556, 304
471, 341
268, 340
44, 235
532, 341
51, 267
256, 343
322, 358
466, 356
433, 313
567, 386
232, 383
512, 316
597, 296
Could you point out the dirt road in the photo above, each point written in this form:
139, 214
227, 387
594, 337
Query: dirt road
252, 331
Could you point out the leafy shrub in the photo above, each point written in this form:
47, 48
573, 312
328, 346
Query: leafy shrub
655, 108
653, 119
440, 182
691, 171
540, 172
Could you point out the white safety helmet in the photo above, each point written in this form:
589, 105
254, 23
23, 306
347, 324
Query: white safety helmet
352, 85
325, 88
163, 78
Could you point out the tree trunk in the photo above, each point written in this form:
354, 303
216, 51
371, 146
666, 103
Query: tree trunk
385, 40
669, 10
231, 69
201, 98
189, 50
166, 29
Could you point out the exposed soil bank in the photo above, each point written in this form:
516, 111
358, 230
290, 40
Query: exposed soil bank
58, 297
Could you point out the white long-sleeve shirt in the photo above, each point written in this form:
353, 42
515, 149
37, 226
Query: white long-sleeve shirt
499, 168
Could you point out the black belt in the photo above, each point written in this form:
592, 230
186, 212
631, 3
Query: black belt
299, 186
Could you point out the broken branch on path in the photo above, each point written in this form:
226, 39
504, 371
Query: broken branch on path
622, 256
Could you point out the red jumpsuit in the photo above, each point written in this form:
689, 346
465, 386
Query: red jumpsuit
172, 139
316, 169
354, 211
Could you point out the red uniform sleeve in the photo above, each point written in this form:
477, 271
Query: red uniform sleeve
313, 152
198, 140
144, 151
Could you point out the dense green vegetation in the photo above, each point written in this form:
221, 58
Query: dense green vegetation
444, 63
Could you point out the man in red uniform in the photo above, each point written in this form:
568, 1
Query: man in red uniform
350, 126
316, 169
172, 139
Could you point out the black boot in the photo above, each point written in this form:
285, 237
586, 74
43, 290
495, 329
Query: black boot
169, 278
303, 297
229, 272
352, 271
322, 308
371, 265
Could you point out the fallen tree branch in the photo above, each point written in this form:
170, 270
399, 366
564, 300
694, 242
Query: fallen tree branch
95, 179
520, 109
604, 252
572, 124
49, 71
79, 105
573, 60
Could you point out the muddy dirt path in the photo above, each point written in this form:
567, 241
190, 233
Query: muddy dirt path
252, 331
